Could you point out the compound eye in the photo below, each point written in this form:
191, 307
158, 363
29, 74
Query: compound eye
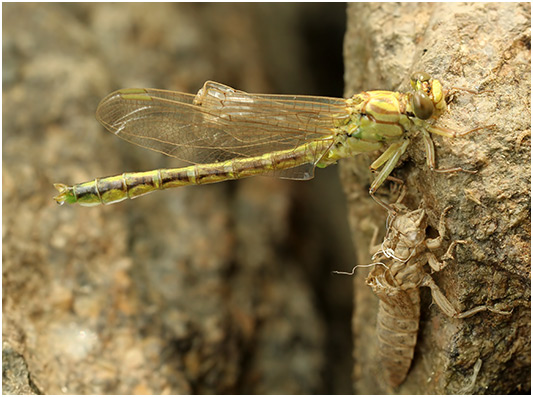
420, 76
422, 105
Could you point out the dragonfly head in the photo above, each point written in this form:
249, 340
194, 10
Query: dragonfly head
428, 98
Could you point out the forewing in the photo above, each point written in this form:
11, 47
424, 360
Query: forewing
220, 123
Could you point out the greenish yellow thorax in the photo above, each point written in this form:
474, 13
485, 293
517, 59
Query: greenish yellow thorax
381, 115
377, 118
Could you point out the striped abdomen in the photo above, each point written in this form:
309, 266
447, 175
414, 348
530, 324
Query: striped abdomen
116, 188
397, 327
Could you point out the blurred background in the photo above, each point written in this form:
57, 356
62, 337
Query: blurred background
223, 288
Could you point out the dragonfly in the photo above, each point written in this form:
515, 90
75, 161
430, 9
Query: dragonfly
227, 134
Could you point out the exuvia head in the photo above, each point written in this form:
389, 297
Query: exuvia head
411, 227
428, 97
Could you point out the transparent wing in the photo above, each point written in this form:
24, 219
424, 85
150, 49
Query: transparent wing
220, 123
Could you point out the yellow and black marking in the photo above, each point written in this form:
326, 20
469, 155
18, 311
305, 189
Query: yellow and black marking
116, 188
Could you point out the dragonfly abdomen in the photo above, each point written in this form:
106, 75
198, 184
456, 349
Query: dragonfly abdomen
111, 189
131, 185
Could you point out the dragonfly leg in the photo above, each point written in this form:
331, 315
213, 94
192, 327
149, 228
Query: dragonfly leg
397, 186
473, 92
391, 178
389, 159
386, 206
430, 155
385, 156
454, 134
